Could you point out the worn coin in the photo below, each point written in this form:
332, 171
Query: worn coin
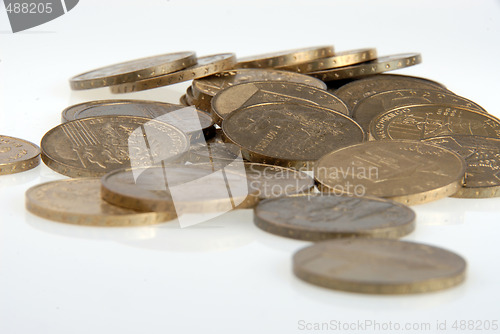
431, 120
379, 266
78, 201
482, 156
286, 58
206, 66
410, 172
94, 146
322, 217
289, 135
17, 155
378, 103
134, 70
250, 93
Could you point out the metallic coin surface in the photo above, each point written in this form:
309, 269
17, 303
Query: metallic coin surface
178, 188
211, 85
409, 172
431, 120
250, 93
69, 113
78, 201
289, 135
97, 145
482, 156
352, 92
379, 65
286, 58
321, 217
340, 59
379, 103
183, 100
189, 96
379, 266
134, 70
17, 155
206, 66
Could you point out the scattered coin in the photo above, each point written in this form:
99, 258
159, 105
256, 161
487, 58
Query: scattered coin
379, 266
17, 155
289, 135
133, 70
405, 171
322, 217
286, 58
250, 93
78, 201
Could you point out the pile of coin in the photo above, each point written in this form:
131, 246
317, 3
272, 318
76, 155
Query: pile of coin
250, 132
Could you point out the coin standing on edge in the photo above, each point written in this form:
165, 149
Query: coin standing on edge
286, 58
17, 155
321, 217
78, 201
379, 266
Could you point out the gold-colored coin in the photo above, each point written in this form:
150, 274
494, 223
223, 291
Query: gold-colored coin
206, 66
189, 96
379, 65
322, 217
286, 58
289, 135
134, 70
410, 172
78, 201
376, 104
183, 100
482, 156
211, 85
340, 59
97, 145
69, 113
379, 266
17, 155
431, 120
250, 93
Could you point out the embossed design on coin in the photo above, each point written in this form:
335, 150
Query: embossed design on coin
286, 58
17, 155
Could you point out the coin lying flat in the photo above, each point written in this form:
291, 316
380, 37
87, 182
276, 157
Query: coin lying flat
250, 93
286, 58
206, 66
405, 171
482, 156
340, 59
94, 146
78, 201
351, 93
379, 65
379, 266
431, 120
322, 217
133, 70
289, 135
376, 104
17, 155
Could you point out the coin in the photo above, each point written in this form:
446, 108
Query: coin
340, 59
289, 135
183, 189
134, 70
250, 93
183, 100
17, 155
431, 120
211, 85
322, 217
369, 107
405, 171
94, 146
78, 201
351, 93
379, 266
189, 96
379, 65
286, 58
482, 156
206, 66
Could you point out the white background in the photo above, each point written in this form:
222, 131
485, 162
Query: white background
225, 276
